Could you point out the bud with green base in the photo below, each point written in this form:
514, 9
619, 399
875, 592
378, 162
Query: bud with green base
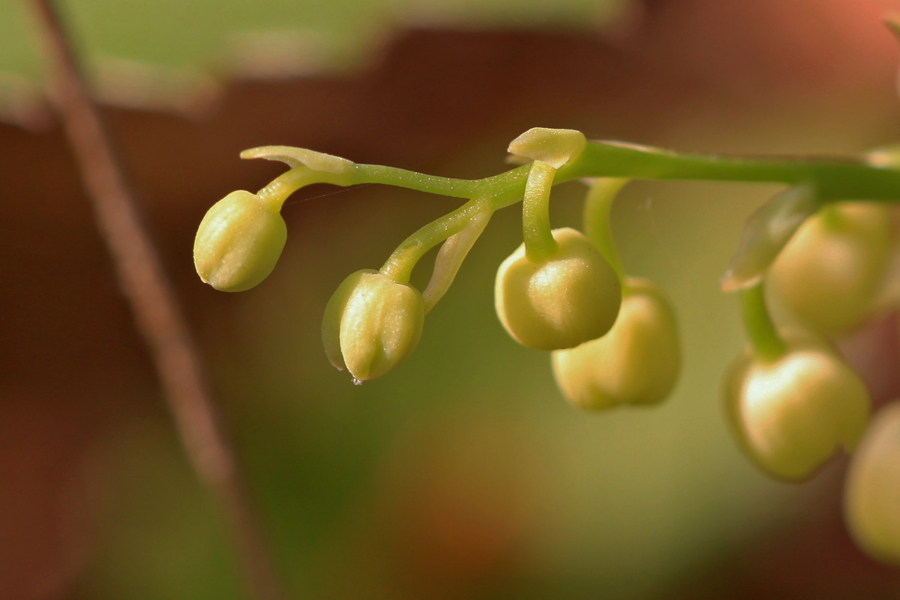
239, 242
240, 239
569, 298
637, 362
792, 401
872, 488
557, 290
832, 270
372, 323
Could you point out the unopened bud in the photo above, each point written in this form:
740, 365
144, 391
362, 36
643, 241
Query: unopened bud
872, 488
238, 242
830, 273
792, 414
571, 298
372, 323
637, 362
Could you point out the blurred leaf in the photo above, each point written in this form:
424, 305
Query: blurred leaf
199, 33
767, 231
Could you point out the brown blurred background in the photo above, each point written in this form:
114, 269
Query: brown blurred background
463, 474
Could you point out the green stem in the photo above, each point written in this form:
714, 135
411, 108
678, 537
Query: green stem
597, 227
539, 242
766, 341
278, 190
451, 256
833, 178
832, 218
400, 264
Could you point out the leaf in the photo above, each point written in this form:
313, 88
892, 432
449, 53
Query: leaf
767, 231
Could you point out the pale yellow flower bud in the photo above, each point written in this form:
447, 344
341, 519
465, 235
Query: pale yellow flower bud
872, 488
830, 272
637, 362
569, 299
238, 242
372, 323
793, 413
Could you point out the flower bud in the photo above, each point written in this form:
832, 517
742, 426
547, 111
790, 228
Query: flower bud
238, 242
791, 414
372, 323
562, 302
637, 362
830, 272
872, 488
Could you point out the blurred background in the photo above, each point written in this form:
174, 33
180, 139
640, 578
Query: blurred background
464, 473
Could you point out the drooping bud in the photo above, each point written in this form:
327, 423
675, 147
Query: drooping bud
372, 323
766, 233
872, 488
238, 242
793, 413
571, 298
830, 273
637, 362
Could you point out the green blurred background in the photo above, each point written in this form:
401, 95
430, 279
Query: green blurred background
464, 473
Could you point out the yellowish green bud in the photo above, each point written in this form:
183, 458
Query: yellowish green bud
793, 413
830, 272
238, 242
872, 488
571, 298
637, 362
372, 323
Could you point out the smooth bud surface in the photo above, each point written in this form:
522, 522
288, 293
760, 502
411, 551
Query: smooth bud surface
562, 302
830, 272
637, 362
872, 488
371, 324
238, 242
792, 414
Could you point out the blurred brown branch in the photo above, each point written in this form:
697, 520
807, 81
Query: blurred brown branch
156, 311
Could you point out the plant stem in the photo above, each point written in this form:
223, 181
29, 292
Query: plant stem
156, 312
400, 264
450, 257
539, 242
597, 227
841, 178
766, 342
833, 178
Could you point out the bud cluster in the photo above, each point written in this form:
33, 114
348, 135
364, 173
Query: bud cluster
612, 338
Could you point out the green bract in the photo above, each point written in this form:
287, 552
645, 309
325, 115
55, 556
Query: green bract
872, 492
637, 362
830, 272
372, 323
238, 242
555, 147
793, 413
571, 298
